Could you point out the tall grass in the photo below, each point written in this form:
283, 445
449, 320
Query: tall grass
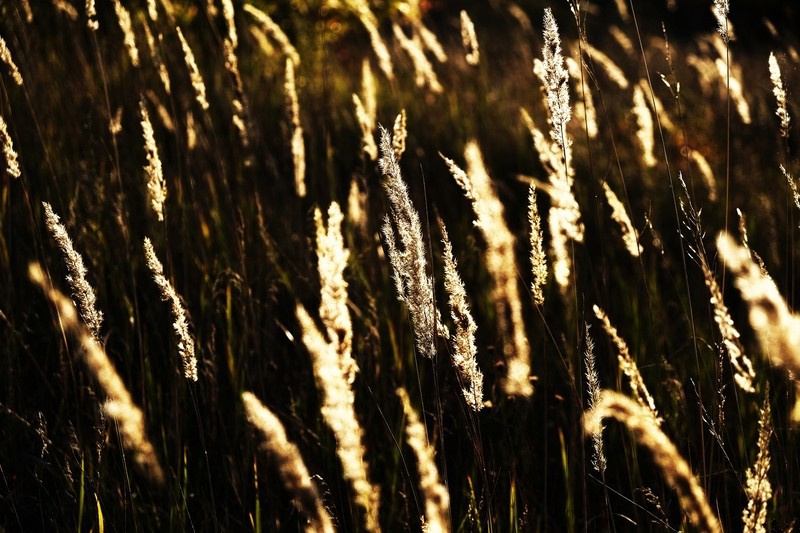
353, 365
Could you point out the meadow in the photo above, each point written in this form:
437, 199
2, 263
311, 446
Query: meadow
338, 265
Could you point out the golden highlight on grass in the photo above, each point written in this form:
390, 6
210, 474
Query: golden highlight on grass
732, 78
538, 258
619, 215
119, 406
82, 292
757, 485
469, 40
239, 117
129, 39
12, 162
424, 75
705, 172
611, 69
5, 57
437, 499
501, 265
676, 471
298, 146
399, 134
464, 350
332, 361
655, 104
274, 31
338, 411
228, 14
152, 10
789, 180
629, 367
198, 84
331, 261
156, 185
584, 108
776, 327
289, 462
91, 16
430, 41
367, 124
780, 95
181, 323
367, 111
564, 218
720, 10
155, 55
644, 127
357, 206
743, 373
367, 18
409, 264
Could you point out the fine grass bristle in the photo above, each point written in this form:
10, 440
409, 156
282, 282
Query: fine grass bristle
194, 73
629, 367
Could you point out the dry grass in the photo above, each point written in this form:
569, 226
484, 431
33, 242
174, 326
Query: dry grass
259, 177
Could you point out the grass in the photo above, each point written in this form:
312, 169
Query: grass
239, 253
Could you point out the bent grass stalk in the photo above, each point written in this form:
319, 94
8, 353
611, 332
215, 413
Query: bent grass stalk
289, 462
639, 421
119, 406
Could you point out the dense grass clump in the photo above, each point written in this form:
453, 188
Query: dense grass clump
363, 266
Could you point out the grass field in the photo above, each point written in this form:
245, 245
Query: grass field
362, 266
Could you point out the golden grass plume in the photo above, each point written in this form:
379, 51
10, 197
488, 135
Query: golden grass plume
82, 291
181, 322
464, 350
409, 263
676, 471
501, 264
